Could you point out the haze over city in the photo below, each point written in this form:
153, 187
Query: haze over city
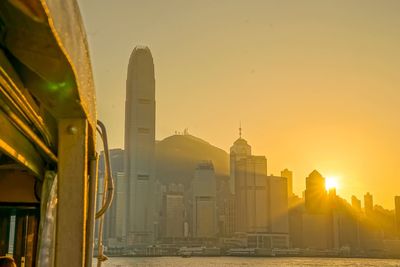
199, 133
314, 83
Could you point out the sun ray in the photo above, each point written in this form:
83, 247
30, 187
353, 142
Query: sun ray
331, 182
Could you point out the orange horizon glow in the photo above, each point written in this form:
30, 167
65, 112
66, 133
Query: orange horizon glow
314, 83
332, 182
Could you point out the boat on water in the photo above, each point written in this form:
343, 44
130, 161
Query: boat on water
187, 252
48, 124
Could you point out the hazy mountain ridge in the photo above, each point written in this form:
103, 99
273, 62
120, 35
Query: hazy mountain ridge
178, 155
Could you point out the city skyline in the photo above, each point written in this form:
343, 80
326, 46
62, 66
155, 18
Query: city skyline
199, 133
315, 82
267, 214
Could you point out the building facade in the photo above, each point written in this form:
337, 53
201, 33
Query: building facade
278, 205
239, 150
204, 204
114, 218
173, 215
251, 196
261, 201
368, 204
141, 218
289, 179
356, 203
315, 194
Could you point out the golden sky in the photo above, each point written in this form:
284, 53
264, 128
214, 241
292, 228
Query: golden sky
316, 84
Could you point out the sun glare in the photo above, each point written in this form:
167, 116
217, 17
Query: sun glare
331, 182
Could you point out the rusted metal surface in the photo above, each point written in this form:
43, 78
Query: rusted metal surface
50, 45
16, 146
69, 28
48, 112
28, 132
93, 167
17, 97
19, 186
73, 193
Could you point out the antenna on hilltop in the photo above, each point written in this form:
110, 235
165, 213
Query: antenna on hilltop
240, 129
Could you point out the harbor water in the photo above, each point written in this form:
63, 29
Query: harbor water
244, 262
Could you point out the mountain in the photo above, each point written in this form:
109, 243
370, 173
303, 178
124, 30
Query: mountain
178, 155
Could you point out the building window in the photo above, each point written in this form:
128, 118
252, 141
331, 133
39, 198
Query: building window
143, 130
143, 177
144, 101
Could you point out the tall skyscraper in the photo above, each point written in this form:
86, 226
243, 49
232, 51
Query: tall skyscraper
261, 201
289, 177
238, 151
252, 209
368, 204
139, 147
315, 194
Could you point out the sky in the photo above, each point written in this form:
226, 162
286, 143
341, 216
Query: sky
315, 84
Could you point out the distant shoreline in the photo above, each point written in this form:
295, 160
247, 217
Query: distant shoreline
258, 256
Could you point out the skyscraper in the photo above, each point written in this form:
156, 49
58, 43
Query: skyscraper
318, 220
315, 194
139, 146
368, 204
238, 151
173, 214
278, 205
356, 203
289, 176
252, 209
204, 201
113, 223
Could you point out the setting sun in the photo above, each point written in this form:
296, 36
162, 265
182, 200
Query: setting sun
331, 182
